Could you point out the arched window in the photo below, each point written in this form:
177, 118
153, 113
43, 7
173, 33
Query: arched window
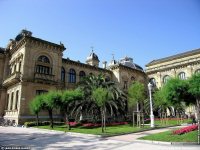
43, 65
81, 75
166, 78
153, 81
43, 59
182, 76
63, 74
197, 71
132, 78
72, 76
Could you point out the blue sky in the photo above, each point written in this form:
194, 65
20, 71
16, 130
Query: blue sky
142, 29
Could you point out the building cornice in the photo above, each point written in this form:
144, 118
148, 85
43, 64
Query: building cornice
78, 63
120, 66
177, 56
171, 66
37, 42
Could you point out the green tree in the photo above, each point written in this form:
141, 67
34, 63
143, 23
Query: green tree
176, 92
68, 101
136, 95
194, 89
51, 101
88, 105
36, 106
161, 103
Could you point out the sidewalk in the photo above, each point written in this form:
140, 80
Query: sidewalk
134, 136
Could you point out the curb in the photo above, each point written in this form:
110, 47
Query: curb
166, 143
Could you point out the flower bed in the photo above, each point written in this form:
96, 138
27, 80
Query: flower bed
74, 124
185, 129
99, 124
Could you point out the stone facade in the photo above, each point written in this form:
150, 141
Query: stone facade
181, 65
31, 66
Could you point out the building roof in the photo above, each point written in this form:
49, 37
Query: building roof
2, 50
83, 64
92, 56
128, 61
188, 53
19, 39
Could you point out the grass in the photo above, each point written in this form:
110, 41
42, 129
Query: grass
169, 137
111, 130
172, 122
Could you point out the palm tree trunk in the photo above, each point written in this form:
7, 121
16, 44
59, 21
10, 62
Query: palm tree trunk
133, 119
102, 121
51, 118
104, 118
37, 119
67, 121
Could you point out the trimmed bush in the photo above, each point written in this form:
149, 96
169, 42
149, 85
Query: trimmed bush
44, 123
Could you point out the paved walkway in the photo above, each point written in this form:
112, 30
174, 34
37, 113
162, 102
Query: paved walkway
56, 140
134, 136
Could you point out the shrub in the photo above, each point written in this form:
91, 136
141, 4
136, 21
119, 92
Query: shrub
44, 123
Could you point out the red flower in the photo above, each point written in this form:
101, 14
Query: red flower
186, 129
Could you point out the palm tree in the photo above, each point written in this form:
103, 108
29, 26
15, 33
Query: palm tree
91, 83
101, 96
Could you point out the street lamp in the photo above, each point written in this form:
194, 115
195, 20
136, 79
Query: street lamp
151, 107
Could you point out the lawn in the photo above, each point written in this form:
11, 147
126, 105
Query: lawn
111, 130
172, 122
169, 137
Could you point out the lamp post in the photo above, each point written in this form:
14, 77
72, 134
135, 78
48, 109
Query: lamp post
151, 107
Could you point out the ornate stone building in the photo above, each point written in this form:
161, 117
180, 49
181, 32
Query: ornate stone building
30, 66
181, 65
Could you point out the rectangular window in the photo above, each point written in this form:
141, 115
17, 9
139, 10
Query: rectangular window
11, 101
125, 84
7, 102
16, 98
20, 63
38, 92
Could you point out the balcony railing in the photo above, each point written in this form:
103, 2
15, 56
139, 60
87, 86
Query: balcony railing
44, 77
12, 79
9, 113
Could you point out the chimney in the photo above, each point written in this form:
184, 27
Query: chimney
104, 64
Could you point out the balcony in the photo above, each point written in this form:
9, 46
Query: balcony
44, 78
11, 113
12, 79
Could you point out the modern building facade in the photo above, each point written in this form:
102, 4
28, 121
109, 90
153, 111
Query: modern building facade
181, 65
30, 66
